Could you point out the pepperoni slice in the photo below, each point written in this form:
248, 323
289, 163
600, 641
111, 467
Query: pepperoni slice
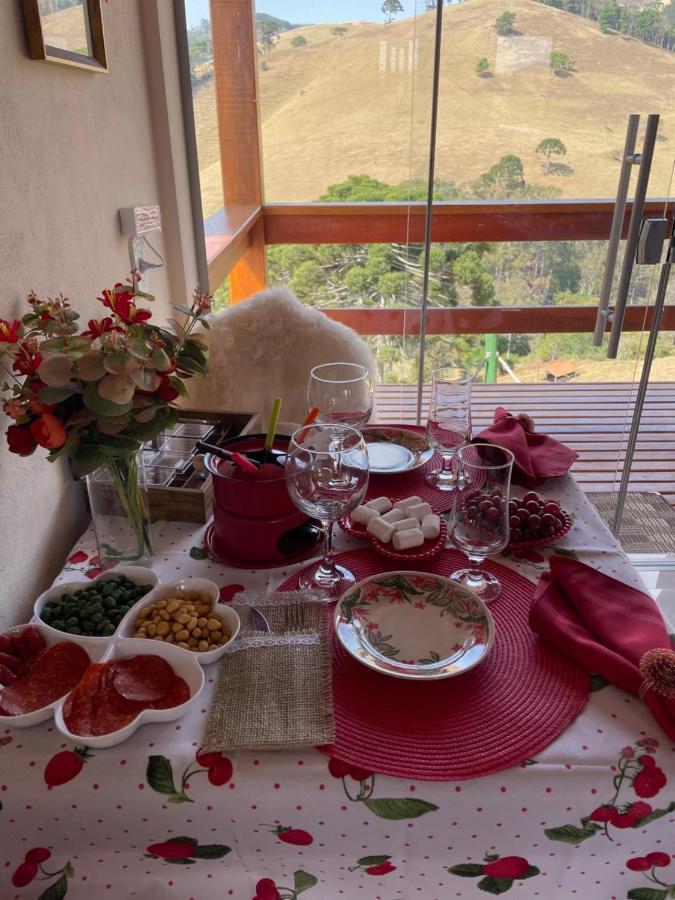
54, 672
178, 693
144, 678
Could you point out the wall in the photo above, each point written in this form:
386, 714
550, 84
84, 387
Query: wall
74, 147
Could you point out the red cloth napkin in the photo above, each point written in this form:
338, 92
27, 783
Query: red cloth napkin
537, 456
605, 626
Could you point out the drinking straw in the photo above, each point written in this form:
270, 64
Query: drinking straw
274, 421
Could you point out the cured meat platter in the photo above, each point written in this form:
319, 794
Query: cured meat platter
94, 658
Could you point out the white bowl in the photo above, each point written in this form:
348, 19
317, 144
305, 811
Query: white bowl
184, 665
45, 712
226, 614
95, 646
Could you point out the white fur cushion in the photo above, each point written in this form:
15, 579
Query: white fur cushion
264, 348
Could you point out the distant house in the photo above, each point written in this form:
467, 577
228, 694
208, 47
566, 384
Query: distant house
560, 371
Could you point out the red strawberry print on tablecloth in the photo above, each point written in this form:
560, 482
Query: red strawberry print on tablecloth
228, 591
297, 836
184, 851
27, 871
159, 774
637, 769
385, 807
497, 873
268, 889
374, 865
80, 561
65, 766
648, 865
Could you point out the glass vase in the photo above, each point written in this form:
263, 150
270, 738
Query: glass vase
120, 511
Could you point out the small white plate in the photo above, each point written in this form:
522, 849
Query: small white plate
393, 450
414, 625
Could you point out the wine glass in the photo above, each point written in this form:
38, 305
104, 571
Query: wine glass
326, 477
480, 522
343, 393
449, 422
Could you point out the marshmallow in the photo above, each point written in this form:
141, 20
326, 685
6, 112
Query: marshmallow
381, 504
394, 515
380, 529
363, 514
405, 540
406, 502
419, 510
405, 524
431, 526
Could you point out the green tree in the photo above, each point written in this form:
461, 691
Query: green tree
482, 66
561, 63
504, 23
649, 25
503, 180
268, 34
298, 41
339, 30
390, 9
550, 147
610, 17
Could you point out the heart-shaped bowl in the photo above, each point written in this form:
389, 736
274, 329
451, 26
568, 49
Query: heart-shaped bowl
93, 644
44, 712
208, 589
183, 664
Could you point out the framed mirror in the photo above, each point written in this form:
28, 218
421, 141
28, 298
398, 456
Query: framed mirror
66, 31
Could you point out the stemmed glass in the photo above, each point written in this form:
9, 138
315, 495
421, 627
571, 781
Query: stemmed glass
343, 393
480, 522
449, 422
326, 477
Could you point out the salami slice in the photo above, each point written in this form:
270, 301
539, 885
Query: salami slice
54, 673
145, 678
178, 693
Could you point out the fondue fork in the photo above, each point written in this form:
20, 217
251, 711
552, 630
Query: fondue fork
249, 465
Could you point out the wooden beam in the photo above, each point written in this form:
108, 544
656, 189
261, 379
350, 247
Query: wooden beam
492, 320
456, 221
235, 73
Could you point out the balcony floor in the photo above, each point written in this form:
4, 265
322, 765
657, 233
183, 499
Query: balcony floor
594, 419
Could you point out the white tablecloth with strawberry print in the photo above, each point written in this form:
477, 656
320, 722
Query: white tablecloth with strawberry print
591, 817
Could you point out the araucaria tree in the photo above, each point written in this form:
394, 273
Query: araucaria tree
391, 8
550, 147
504, 23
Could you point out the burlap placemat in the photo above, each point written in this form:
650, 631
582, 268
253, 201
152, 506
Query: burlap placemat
274, 690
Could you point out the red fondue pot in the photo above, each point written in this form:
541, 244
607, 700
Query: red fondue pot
254, 519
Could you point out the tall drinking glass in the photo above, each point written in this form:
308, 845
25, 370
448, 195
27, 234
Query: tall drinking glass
326, 477
449, 423
480, 523
343, 393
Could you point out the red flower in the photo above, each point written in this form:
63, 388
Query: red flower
97, 327
49, 431
658, 859
507, 867
649, 781
77, 557
121, 302
9, 331
26, 363
630, 816
638, 864
166, 391
20, 439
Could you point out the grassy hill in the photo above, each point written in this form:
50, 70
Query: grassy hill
328, 111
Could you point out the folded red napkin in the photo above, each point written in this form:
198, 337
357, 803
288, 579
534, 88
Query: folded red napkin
610, 629
537, 456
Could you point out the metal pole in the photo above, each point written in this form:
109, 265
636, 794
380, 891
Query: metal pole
430, 203
627, 163
633, 233
644, 383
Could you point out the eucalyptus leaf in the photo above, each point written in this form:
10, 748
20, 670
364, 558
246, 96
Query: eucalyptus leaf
117, 388
86, 459
90, 366
112, 425
101, 406
57, 394
145, 379
56, 370
159, 360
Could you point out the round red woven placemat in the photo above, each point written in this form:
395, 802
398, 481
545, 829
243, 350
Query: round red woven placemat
491, 718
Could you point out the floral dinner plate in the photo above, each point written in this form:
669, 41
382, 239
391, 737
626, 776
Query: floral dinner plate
414, 625
392, 450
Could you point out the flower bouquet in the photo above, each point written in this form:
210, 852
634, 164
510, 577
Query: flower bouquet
97, 395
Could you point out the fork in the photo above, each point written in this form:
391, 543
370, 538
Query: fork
295, 617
